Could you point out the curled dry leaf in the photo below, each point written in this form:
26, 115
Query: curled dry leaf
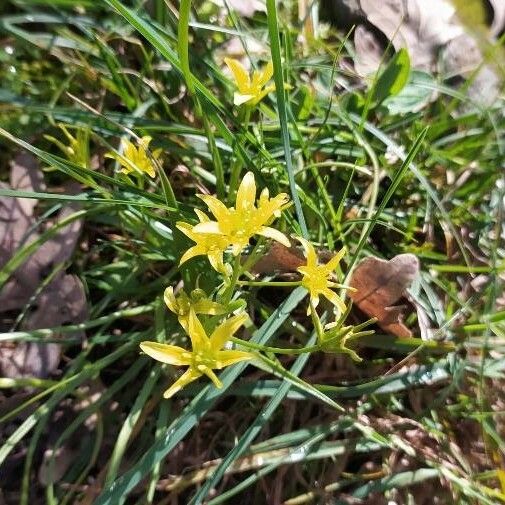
379, 285
421, 26
62, 300
368, 49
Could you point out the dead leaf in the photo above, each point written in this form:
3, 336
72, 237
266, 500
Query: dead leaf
247, 8
16, 214
55, 464
368, 49
62, 301
421, 26
279, 258
379, 285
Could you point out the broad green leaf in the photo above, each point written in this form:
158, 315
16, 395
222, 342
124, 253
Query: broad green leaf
414, 96
393, 78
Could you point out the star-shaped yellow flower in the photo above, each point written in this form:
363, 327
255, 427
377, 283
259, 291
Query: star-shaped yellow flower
211, 245
182, 304
238, 224
206, 354
251, 90
317, 279
136, 159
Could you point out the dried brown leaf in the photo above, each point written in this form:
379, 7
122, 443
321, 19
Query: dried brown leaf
379, 285
62, 301
16, 214
279, 258
421, 26
368, 49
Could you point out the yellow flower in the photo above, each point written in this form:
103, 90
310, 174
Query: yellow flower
136, 159
206, 354
250, 89
238, 224
182, 304
317, 278
212, 245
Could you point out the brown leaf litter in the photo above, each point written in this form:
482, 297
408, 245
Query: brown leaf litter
62, 300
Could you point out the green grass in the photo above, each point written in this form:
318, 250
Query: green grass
414, 415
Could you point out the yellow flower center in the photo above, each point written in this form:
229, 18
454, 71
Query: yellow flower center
203, 360
315, 279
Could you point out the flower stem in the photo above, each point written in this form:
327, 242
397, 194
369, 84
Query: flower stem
284, 284
276, 350
244, 116
237, 269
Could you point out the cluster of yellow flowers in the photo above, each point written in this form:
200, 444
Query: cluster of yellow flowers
251, 90
222, 231
232, 230
207, 353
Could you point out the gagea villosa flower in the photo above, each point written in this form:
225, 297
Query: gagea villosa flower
137, 159
234, 226
317, 278
251, 89
207, 353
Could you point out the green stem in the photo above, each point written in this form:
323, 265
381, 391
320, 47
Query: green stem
275, 48
316, 321
228, 294
37, 335
275, 350
183, 51
183, 43
283, 284
236, 168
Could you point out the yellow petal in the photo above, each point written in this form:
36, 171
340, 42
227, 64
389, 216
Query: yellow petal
114, 156
209, 227
335, 299
170, 354
196, 250
199, 339
310, 252
149, 170
274, 234
206, 306
227, 358
188, 376
184, 227
212, 376
266, 73
240, 74
246, 194
216, 261
129, 149
239, 98
226, 330
333, 263
170, 300
217, 207
259, 96
144, 142
202, 217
